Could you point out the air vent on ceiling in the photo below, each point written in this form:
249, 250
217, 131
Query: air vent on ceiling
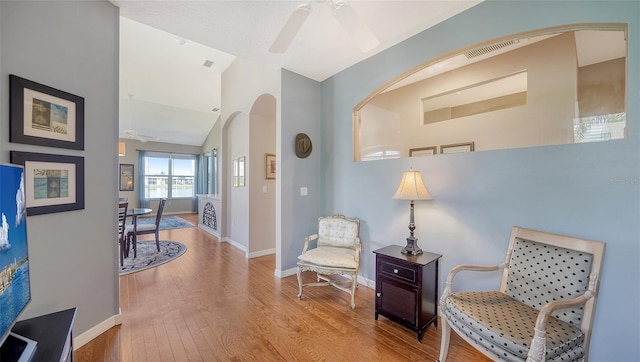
208, 63
488, 49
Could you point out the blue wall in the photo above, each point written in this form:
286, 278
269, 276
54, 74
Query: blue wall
301, 113
587, 190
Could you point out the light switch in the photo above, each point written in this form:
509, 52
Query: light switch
264, 189
303, 191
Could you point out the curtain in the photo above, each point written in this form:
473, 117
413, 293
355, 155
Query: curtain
200, 179
143, 201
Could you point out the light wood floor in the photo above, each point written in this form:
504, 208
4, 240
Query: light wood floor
213, 304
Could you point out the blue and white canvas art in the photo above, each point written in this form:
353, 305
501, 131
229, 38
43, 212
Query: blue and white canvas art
15, 291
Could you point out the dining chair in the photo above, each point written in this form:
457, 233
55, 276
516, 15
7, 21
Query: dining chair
122, 218
143, 229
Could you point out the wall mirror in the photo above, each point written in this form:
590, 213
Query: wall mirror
552, 86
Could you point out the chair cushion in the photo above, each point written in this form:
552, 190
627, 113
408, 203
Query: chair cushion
505, 326
335, 231
541, 273
331, 256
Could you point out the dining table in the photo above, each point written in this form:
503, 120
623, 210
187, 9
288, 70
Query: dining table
134, 213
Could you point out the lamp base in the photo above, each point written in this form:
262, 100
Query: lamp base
412, 247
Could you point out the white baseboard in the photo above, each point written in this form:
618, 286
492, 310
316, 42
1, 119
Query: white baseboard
97, 330
366, 282
285, 273
260, 253
235, 244
209, 230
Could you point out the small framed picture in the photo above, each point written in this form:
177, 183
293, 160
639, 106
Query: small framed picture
53, 183
236, 173
241, 168
270, 166
126, 177
457, 148
423, 151
44, 116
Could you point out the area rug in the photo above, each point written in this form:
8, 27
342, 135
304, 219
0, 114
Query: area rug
150, 257
166, 222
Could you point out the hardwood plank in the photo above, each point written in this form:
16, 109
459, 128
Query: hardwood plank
212, 304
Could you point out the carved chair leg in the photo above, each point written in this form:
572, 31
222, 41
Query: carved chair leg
444, 339
354, 284
299, 283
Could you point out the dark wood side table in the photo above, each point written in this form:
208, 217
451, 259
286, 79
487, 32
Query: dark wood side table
53, 334
407, 288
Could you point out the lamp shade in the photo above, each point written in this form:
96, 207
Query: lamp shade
412, 188
121, 148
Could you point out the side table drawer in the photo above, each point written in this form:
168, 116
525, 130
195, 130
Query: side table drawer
398, 271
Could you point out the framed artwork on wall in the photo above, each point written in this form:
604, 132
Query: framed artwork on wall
53, 183
423, 151
457, 148
241, 171
126, 177
44, 116
236, 174
270, 166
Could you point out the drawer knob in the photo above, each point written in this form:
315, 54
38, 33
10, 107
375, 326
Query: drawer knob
378, 294
395, 271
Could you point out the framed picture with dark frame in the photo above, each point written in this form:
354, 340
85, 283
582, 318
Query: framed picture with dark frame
44, 116
53, 183
126, 177
423, 151
457, 147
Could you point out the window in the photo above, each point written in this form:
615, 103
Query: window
169, 176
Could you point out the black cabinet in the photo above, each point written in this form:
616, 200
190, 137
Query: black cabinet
53, 334
407, 288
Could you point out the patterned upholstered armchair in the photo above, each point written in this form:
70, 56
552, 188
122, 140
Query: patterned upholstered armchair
337, 252
544, 308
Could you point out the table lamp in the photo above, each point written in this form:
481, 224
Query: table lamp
412, 188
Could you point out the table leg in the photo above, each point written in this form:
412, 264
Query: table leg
135, 236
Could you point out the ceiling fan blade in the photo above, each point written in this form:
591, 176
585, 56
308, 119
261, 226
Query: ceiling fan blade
291, 29
133, 134
142, 137
354, 26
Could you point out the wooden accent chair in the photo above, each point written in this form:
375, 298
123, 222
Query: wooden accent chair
545, 306
122, 218
144, 229
337, 252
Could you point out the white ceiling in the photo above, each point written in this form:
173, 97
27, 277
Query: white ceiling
167, 94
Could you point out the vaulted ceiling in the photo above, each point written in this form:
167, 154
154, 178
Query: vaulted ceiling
168, 95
